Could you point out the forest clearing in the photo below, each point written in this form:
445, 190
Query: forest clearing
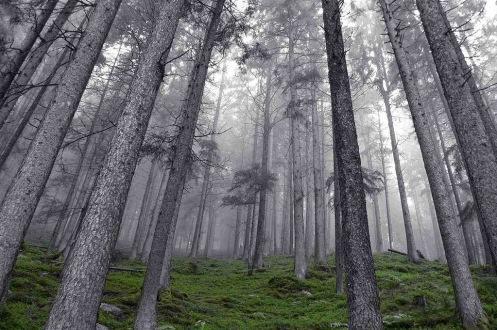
248, 164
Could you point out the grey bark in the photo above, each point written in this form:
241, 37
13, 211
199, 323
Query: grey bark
319, 193
385, 94
260, 238
166, 224
44, 93
467, 299
25, 191
339, 251
475, 144
16, 86
309, 212
300, 266
206, 181
76, 303
362, 291
13, 65
238, 225
385, 183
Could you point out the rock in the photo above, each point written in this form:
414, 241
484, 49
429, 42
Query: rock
101, 327
113, 310
306, 293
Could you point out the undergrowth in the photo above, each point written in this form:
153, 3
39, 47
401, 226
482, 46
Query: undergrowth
218, 294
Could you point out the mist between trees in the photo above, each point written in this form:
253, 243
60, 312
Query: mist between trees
143, 130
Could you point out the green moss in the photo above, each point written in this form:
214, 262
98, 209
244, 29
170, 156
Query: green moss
217, 294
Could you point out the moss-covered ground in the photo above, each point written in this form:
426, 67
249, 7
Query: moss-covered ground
218, 294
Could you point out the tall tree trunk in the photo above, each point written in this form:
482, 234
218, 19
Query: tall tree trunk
385, 183
309, 212
46, 92
77, 301
144, 217
17, 85
467, 299
166, 224
362, 291
376, 204
15, 61
238, 226
475, 144
206, 183
25, 191
300, 266
385, 94
275, 193
248, 232
86, 170
339, 249
260, 238
319, 198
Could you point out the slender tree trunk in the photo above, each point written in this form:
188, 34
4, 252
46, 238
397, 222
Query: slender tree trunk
25, 191
436, 230
385, 183
77, 302
44, 93
300, 266
248, 232
377, 216
467, 299
339, 250
238, 226
17, 85
166, 224
285, 215
385, 94
15, 61
475, 144
319, 198
206, 184
260, 238
309, 212
362, 291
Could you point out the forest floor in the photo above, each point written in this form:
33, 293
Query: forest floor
218, 294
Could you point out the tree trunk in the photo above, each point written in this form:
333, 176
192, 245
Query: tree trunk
300, 266
206, 184
86, 171
25, 191
44, 93
362, 292
385, 94
15, 61
467, 299
339, 250
377, 216
309, 213
16, 87
260, 238
385, 183
77, 302
166, 224
319, 198
476, 146
238, 225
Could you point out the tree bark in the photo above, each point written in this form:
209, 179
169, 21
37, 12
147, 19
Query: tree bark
166, 224
385, 94
362, 291
77, 302
300, 266
260, 238
385, 183
25, 191
319, 198
206, 183
475, 144
12, 67
16, 86
467, 299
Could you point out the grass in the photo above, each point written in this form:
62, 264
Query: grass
218, 294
